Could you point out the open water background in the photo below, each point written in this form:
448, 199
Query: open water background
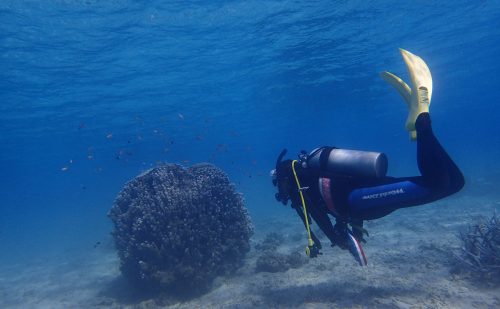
94, 92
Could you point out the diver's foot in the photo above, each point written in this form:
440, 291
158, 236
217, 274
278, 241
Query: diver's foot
418, 96
421, 89
421, 105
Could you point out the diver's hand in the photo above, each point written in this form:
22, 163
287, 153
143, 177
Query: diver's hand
359, 232
313, 251
340, 236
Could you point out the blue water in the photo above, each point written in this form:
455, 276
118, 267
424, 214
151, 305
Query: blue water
94, 92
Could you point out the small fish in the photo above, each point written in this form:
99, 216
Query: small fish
71, 161
97, 244
119, 154
90, 157
181, 116
64, 169
221, 147
109, 136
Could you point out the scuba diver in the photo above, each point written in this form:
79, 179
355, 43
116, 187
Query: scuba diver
352, 185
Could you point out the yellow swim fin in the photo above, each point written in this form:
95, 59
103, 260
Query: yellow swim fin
403, 89
418, 97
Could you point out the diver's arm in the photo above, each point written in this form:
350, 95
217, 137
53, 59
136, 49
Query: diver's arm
320, 216
300, 212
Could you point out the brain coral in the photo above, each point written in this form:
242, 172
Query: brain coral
177, 229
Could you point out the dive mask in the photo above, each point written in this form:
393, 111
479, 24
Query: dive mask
280, 181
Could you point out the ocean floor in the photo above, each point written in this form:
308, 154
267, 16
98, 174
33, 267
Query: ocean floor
410, 256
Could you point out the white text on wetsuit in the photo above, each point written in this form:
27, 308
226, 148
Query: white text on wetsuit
383, 194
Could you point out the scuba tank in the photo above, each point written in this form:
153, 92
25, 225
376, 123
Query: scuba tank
346, 162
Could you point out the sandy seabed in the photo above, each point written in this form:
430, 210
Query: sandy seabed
410, 256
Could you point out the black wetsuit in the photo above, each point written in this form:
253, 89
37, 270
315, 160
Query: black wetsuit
352, 200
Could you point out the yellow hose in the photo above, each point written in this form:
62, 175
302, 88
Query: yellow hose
310, 241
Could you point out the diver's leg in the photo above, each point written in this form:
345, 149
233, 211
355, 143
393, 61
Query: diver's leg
440, 177
438, 170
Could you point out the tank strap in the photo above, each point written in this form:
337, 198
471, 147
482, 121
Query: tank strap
323, 157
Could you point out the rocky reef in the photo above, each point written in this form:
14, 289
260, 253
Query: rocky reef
176, 229
480, 256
